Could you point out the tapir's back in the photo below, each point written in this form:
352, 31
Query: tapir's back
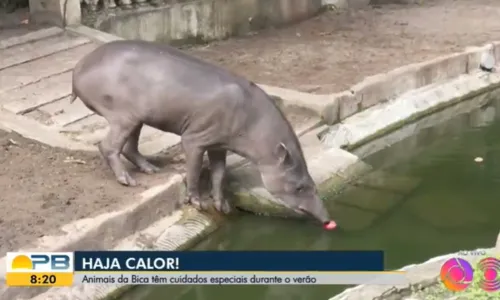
158, 61
165, 86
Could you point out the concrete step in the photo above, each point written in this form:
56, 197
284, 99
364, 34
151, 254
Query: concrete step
151, 140
30, 51
85, 126
63, 112
30, 37
92, 129
36, 70
30, 97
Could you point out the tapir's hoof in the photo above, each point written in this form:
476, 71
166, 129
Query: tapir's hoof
126, 179
223, 206
149, 168
196, 202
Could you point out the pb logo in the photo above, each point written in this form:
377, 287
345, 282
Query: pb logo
40, 262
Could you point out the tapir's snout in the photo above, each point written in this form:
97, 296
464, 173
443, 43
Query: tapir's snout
315, 209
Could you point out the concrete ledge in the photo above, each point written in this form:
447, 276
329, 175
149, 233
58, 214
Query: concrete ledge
181, 231
96, 35
384, 87
106, 230
32, 129
317, 103
381, 88
380, 119
29, 37
453, 119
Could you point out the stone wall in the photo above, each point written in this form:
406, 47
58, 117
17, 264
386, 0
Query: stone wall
204, 20
56, 12
181, 21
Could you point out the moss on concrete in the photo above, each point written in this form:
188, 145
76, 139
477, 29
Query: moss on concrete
260, 205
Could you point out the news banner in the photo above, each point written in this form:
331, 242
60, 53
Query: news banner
59, 269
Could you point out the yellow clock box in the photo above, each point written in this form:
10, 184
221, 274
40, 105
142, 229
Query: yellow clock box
50, 269
39, 279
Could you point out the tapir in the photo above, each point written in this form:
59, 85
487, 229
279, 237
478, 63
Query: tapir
135, 83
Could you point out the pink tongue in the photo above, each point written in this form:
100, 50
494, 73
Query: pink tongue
330, 225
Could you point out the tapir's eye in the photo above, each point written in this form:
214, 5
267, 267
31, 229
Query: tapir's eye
299, 189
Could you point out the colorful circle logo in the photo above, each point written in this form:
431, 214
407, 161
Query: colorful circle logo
456, 274
490, 269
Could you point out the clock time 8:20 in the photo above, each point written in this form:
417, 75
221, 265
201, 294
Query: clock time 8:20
43, 279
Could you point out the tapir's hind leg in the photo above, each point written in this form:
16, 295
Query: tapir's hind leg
217, 160
111, 147
131, 152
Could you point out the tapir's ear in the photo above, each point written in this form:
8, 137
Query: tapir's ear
283, 154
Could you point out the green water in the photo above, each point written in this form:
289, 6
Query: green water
428, 197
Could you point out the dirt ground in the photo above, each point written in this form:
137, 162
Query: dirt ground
43, 188
333, 51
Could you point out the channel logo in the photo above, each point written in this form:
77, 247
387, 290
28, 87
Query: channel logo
40, 262
457, 274
39, 269
490, 274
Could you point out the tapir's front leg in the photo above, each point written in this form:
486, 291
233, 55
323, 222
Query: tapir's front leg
194, 162
217, 160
